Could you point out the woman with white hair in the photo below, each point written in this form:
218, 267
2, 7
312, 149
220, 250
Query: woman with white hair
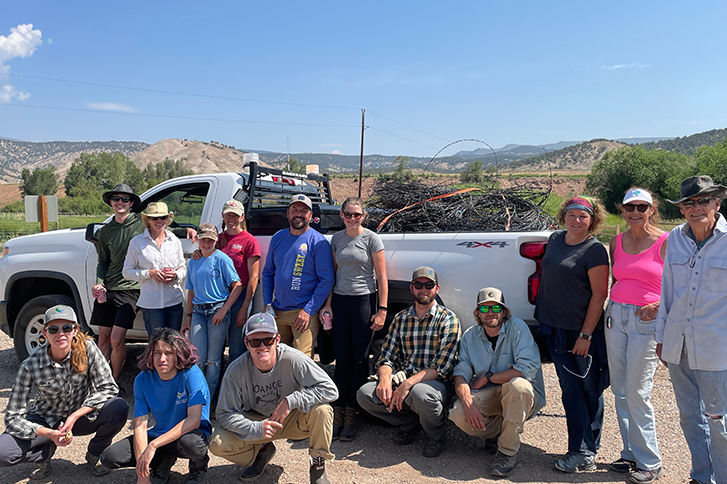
155, 259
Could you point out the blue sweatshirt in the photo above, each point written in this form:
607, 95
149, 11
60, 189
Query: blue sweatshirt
299, 270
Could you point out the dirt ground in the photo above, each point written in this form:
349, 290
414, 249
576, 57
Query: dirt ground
372, 458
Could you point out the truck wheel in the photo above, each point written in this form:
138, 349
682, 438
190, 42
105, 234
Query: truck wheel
27, 334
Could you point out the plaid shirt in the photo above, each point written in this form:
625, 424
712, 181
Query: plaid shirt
61, 391
415, 344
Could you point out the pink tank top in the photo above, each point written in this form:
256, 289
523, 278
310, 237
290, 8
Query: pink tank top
638, 277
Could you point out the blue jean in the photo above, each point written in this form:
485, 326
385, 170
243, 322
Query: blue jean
170, 317
209, 340
582, 398
702, 395
235, 335
632, 362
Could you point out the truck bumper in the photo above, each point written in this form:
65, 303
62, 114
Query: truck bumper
4, 318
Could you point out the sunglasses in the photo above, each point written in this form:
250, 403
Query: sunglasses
486, 309
256, 343
354, 216
703, 202
117, 198
629, 207
162, 217
66, 328
419, 285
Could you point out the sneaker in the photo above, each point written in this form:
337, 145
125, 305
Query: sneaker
404, 437
160, 473
97, 469
433, 448
43, 469
503, 465
318, 471
197, 476
264, 455
623, 466
643, 476
337, 421
572, 462
348, 433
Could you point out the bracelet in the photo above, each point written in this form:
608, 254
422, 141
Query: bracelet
189, 315
585, 336
384, 308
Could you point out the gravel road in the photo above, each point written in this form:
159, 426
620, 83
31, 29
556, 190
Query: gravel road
372, 458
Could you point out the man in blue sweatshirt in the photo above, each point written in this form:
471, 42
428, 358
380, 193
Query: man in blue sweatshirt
299, 272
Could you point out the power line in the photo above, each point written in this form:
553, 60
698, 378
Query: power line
407, 126
401, 137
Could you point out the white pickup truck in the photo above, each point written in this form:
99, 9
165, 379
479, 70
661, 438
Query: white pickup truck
59, 267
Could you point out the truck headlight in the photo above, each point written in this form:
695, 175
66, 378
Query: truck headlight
5, 251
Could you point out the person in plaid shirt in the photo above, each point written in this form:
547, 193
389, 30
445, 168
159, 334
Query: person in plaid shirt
415, 366
76, 394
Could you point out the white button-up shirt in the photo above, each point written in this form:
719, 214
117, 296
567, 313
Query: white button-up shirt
693, 308
145, 254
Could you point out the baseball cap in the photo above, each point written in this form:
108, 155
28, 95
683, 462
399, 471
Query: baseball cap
233, 206
427, 272
64, 313
638, 195
302, 199
261, 323
207, 231
490, 294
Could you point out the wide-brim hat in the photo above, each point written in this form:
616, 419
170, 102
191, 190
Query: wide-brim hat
156, 209
122, 188
701, 185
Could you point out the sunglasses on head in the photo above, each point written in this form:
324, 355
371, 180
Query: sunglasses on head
256, 343
486, 309
352, 215
419, 285
161, 217
66, 328
117, 198
629, 207
701, 201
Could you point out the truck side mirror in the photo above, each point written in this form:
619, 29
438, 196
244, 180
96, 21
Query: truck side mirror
92, 232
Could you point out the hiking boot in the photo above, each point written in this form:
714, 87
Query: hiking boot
572, 462
623, 466
433, 448
318, 471
43, 469
490, 446
503, 465
97, 469
337, 421
405, 437
643, 476
264, 455
160, 473
197, 476
349, 425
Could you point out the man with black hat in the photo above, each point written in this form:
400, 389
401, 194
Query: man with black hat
299, 272
498, 379
691, 325
418, 356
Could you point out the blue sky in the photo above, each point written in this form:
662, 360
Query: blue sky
268, 75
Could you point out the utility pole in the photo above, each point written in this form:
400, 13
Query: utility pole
360, 165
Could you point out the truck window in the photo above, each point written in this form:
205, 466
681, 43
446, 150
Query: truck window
187, 203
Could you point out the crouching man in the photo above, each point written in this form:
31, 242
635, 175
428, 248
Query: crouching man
173, 389
273, 392
498, 379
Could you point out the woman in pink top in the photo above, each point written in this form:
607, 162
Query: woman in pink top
637, 257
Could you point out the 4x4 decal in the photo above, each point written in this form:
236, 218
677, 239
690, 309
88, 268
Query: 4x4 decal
489, 245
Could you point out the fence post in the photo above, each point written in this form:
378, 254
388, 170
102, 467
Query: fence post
43, 213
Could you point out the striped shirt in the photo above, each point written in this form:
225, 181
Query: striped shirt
61, 391
415, 344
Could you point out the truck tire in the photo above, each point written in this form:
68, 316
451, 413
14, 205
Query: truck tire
27, 335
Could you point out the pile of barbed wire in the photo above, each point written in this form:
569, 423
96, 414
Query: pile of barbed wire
416, 206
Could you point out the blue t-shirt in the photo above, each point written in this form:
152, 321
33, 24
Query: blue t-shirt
210, 278
299, 270
168, 401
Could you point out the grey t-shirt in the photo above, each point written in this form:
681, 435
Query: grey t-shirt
355, 275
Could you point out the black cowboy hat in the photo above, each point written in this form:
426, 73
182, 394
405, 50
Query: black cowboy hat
122, 188
701, 185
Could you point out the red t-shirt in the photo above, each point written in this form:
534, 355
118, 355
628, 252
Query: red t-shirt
239, 247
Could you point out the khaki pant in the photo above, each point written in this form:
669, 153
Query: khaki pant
505, 409
317, 425
304, 341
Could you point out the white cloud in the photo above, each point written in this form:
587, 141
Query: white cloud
635, 65
336, 152
22, 42
106, 106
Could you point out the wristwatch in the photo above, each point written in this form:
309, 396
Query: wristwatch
488, 375
585, 336
383, 307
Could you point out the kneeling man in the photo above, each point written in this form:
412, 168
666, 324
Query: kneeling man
498, 379
273, 392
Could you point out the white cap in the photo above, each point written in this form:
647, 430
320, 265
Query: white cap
638, 195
